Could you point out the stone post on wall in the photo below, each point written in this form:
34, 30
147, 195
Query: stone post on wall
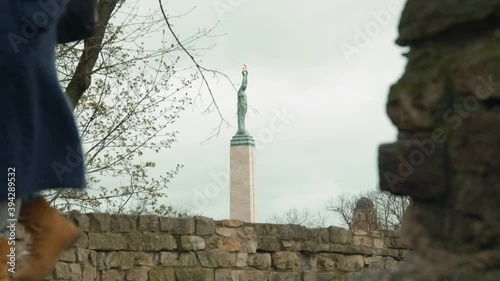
364, 216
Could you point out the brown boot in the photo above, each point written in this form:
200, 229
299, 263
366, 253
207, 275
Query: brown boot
4, 267
50, 233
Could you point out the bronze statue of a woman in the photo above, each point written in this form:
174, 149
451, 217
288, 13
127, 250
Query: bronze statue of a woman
242, 104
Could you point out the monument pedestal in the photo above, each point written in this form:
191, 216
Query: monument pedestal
242, 178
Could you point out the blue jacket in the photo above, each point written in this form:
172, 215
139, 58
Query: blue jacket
39, 142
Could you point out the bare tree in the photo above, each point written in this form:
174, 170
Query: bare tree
343, 206
390, 208
125, 94
303, 217
292, 216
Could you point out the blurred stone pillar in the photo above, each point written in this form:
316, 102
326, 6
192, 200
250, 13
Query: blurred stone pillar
446, 107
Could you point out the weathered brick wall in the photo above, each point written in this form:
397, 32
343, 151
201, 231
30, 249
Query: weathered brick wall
121, 247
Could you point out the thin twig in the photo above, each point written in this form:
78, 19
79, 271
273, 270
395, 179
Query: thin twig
199, 67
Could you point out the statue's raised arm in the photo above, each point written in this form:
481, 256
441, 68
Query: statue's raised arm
245, 79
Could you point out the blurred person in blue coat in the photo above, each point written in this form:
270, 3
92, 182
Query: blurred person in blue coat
39, 141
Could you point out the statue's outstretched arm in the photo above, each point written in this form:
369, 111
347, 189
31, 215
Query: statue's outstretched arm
245, 81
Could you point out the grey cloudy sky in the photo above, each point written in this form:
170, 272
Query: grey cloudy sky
320, 115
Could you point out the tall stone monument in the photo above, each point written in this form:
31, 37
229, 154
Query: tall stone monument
242, 164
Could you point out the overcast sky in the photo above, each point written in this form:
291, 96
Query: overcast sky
321, 110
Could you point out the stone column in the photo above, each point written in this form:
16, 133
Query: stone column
446, 107
242, 174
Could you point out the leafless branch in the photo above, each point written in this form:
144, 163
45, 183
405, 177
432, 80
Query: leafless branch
201, 70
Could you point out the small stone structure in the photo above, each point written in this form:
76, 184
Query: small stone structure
364, 216
141, 248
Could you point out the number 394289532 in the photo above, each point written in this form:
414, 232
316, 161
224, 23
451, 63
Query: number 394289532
11, 188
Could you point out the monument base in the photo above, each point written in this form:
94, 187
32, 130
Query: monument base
242, 179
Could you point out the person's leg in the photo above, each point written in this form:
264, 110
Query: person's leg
8, 222
51, 234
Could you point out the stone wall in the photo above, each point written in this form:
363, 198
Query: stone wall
131, 248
